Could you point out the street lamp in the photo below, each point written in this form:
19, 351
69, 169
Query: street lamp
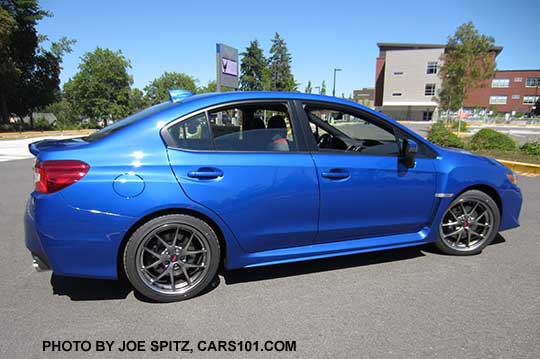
319, 89
334, 87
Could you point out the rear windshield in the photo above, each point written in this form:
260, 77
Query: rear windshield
106, 131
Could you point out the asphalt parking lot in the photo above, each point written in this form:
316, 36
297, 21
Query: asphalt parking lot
407, 303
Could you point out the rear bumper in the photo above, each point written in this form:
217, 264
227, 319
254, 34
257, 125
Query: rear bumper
73, 241
39, 259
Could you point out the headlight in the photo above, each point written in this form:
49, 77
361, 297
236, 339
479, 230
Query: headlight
512, 177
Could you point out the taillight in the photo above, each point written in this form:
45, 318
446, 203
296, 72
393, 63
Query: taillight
52, 176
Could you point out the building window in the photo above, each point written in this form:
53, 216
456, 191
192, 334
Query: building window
498, 83
396, 94
497, 100
518, 79
427, 115
533, 81
429, 90
431, 67
515, 97
530, 100
397, 73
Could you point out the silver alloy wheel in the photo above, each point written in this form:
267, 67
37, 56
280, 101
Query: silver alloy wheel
466, 225
173, 258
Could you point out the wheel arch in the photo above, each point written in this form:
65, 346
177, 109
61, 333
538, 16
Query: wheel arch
487, 189
163, 212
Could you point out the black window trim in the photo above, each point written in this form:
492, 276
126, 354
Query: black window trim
299, 138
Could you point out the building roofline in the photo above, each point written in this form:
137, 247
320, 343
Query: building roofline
519, 70
403, 45
411, 45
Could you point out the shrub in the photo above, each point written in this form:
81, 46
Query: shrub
442, 136
531, 148
462, 128
488, 139
41, 124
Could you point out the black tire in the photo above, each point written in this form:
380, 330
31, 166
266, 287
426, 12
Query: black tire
451, 244
136, 247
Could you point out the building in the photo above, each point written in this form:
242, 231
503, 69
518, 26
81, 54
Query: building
407, 83
510, 91
407, 80
365, 96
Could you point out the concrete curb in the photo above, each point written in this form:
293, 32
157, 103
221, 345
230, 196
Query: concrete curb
522, 168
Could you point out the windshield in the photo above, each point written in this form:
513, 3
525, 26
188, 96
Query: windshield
106, 131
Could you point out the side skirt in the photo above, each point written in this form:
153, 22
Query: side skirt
327, 250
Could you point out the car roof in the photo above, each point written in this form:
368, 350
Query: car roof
220, 97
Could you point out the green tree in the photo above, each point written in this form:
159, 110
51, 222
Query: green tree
29, 73
158, 90
308, 88
210, 87
468, 63
136, 101
323, 88
101, 88
252, 67
280, 66
67, 116
266, 79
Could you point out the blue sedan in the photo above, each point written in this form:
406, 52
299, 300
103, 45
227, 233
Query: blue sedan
244, 179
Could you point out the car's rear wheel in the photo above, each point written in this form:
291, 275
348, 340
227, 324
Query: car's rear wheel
469, 224
172, 258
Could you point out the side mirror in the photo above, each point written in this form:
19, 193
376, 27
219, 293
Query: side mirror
410, 148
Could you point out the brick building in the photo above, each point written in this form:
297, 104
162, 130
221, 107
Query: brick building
509, 91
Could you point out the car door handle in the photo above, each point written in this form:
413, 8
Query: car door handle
206, 173
336, 174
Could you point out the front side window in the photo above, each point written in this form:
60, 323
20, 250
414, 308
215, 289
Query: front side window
429, 90
500, 83
431, 67
248, 127
336, 130
497, 100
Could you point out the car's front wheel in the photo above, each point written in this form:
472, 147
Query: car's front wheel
172, 257
469, 224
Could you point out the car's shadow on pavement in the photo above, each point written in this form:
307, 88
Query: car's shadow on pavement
90, 289
321, 265
84, 289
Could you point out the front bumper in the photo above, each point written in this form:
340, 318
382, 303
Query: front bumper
512, 201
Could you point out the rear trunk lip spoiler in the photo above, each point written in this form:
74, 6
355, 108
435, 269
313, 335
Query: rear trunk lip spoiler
33, 147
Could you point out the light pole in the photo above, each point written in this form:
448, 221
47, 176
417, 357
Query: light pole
319, 89
334, 87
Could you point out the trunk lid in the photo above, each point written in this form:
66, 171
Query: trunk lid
56, 145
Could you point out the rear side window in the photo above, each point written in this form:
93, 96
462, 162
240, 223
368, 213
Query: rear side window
260, 127
192, 134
